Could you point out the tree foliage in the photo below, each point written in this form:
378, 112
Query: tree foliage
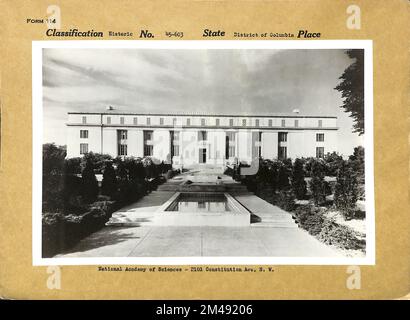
333, 161
109, 181
298, 179
346, 190
89, 183
53, 182
317, 183
352, 89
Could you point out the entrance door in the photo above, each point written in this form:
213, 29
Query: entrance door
202, 155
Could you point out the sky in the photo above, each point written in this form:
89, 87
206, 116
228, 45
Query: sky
205, 81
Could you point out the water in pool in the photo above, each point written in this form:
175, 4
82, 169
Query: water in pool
200, 202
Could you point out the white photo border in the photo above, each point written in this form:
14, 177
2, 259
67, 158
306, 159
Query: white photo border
37, 119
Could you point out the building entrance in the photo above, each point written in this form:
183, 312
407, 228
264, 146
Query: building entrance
202, 155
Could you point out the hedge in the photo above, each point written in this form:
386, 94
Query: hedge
60, 232
314, 221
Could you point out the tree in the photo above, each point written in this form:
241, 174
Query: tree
90, 183
298, 179
73, 166
356, 162
274, 174
332, 161
123, 181
109, 181
346, 190
53, 177
53, 158
317, 183
352, 89
97, 160
283, 176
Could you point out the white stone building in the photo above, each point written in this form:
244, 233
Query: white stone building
189, 140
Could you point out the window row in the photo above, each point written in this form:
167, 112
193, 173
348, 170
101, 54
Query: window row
175, 150
203, 121
202, 136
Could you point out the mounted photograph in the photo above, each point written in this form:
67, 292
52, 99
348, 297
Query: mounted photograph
203, 152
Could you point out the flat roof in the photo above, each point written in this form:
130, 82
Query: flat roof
205, 115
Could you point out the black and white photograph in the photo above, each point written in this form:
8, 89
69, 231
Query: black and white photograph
203, 152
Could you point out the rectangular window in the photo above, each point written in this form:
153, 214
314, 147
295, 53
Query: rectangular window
283, 123
282, 136
320, 137
296, 123
230, 145
188, 122
202, 122
108, 120
282, 153
161, 121
319, 124
148, 150
231, 136
84, 120
202, 135
174, 121
174, 143
148, 135
257, 123
148, 121
175, 150
260, 144
83, 134
122, 134
176, 136
83, 148
121, 120
231, 151
135, 120
244, 122
217, 122
270, 123
122, 149
320, 152
148, 143
231, 122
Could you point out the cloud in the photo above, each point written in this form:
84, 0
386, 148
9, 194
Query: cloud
215, 81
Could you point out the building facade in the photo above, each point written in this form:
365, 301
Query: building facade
187, 140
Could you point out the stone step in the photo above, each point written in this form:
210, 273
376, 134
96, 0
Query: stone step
274, 225
277, 220
274, 215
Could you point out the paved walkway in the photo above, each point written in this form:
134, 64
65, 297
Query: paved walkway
200, 241
272, 233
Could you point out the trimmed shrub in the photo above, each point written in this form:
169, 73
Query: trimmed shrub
123, 191
356, 163
310, 219
285, 200
283, 176
97, 160
298, 180
332, 163
89, 183
109, 181
317, 184
53, 179
72, 166
73, 202
61, 232
346, 191
341, 236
